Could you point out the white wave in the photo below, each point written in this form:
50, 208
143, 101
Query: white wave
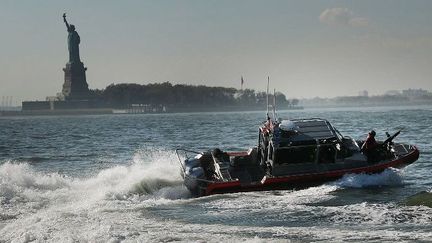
40, 206
22, 189
120, 203
378, 214
389, 177
295, 200
270, 204
143, 177
22, 175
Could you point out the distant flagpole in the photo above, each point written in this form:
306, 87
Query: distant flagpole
241, 83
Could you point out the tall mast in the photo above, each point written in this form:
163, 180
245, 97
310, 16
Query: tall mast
268, 83
274, 104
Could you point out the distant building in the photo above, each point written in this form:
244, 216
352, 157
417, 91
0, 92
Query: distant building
363, 93
412, 93
6, 103
393, 92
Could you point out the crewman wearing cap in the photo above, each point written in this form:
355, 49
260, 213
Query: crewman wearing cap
370, 146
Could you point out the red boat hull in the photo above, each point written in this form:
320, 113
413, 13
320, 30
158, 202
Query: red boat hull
308, 179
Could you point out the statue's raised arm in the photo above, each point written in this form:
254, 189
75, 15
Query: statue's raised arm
73, 42
67, 25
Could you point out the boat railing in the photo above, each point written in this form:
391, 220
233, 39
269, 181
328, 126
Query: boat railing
199, 179
221, 171
285, 155
183, 154
186, 155
402, 148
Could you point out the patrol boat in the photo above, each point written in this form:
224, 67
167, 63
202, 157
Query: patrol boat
291, 154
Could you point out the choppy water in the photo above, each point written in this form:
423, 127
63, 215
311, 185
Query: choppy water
116, 178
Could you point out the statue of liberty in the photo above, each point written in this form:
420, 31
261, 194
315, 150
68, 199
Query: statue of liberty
73, 42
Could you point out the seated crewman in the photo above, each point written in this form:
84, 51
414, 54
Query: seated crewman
220, 156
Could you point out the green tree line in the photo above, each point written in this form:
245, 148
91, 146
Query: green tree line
182, 95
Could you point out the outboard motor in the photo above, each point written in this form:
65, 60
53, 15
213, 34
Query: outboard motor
193, 171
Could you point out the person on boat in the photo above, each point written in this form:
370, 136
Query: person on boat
220, 156
276, 134
370, 146
266, 131
208, 166
268, 126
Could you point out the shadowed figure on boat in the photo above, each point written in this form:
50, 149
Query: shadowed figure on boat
219, 156
370, 147
208, 166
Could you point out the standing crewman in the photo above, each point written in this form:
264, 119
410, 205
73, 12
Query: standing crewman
370, 146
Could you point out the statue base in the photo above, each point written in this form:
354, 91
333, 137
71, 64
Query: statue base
75, 85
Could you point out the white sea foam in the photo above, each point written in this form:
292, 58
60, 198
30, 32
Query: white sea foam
373, 214
39, 206
389, 177
125, 203
140, 177
251, 201
298, 198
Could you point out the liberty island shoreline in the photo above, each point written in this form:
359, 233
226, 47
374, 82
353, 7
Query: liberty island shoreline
76, 98
84, 112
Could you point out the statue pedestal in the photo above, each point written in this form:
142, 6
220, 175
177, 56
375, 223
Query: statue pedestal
75, 85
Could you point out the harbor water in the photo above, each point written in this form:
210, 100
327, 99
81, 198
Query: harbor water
115, 178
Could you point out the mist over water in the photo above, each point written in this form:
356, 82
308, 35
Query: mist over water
116, 178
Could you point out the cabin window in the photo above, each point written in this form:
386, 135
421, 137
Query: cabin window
295, 155
327, 154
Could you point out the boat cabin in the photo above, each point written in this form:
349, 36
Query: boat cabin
304, 145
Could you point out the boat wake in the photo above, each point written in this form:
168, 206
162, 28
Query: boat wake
389, 177
144, 176
423, 198
28, 196
149, 177
134, 202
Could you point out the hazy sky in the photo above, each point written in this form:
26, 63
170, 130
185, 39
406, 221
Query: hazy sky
308, 48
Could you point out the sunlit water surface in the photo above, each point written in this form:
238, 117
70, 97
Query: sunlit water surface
116, 178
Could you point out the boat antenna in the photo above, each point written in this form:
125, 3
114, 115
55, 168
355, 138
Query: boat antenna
268, 83
274, 105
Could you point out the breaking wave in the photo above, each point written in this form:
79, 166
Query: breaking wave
46, 206
389, 177
139, 201
27, 193
148, 175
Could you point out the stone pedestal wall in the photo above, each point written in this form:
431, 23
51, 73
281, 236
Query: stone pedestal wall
75, 85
